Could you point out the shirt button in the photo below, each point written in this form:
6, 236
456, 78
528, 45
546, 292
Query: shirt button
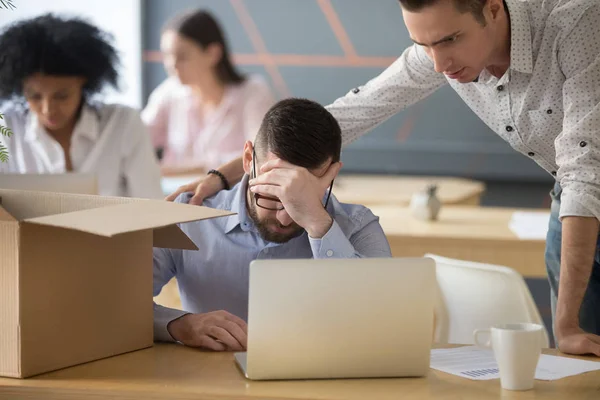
500, 88
355, 90
548, 111
509, 128
329, 253
266, 251
531, 154
583, 143
553, 173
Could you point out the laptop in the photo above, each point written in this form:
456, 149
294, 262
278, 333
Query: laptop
77, 183
339, 318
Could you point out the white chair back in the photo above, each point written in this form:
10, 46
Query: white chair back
476, 296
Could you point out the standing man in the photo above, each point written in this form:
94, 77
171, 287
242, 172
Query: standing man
530, 69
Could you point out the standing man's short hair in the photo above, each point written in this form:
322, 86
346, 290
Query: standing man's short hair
474, 7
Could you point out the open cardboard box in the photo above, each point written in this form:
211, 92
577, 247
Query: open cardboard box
76, 275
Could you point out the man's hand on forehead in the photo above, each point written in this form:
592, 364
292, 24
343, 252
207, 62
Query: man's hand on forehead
299, 190
277, 172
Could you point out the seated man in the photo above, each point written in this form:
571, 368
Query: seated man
283, 210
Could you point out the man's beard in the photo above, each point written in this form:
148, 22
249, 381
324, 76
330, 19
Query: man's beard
266, 234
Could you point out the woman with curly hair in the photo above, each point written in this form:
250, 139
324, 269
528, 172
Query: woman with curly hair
51, 71
205, 111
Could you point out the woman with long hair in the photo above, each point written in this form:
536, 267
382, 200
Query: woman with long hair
204, 112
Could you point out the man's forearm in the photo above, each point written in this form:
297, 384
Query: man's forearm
579, 237
162, 317
233, 171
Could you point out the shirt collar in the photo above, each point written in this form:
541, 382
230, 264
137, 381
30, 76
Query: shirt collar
521, 53
87, 125
238, 206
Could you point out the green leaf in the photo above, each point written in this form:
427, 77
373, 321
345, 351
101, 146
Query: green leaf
5, 130
7, 4
3, 154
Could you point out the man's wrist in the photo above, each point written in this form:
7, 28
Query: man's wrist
321, 226
177, 327
566, 320
218, 175
566, 326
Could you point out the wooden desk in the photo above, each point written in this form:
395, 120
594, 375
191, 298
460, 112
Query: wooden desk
477, 234
398, 190
170, 371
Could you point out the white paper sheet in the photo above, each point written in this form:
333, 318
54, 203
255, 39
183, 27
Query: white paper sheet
479, 364
529, 225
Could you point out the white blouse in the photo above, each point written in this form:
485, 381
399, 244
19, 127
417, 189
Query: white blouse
190, 140
109, 141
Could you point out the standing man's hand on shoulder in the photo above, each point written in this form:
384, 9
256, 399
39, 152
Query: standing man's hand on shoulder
202, 188
217, 330
211, 184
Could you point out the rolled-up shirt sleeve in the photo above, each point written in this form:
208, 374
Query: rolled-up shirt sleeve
578, 146
410, 78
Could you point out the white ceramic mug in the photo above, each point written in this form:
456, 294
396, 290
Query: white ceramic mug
517, 349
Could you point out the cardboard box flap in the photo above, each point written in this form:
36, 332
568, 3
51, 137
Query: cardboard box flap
25, 204
171, 237
113, 220
5, 215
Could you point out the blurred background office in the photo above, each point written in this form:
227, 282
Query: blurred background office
319, 49
322, 49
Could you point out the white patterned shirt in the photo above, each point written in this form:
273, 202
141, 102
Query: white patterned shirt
546, 106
